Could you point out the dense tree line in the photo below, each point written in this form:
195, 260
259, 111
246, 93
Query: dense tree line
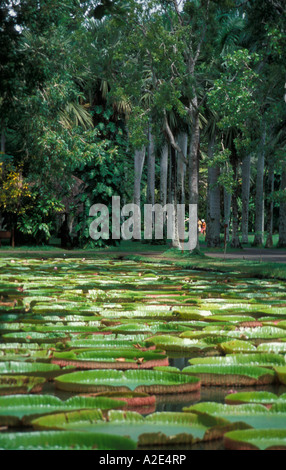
163, 101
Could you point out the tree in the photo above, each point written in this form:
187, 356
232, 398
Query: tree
232, 98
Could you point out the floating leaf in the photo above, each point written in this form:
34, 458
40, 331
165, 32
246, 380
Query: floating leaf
238, 374
253, 439
155, 429
117, 359
148, 381
262, 397
64, 440
21, 409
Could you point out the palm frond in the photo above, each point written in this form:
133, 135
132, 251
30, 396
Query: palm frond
75, 114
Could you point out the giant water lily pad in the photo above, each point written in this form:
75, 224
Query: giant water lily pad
253, 439
262, 397
273, 347
148, 381
281, 374
253, 415
118, 359
155, 429
175, 343
236, 374
34, 336
29, 368
21, 409
64, 440
236, 346
108, 342
263, 360
246, 333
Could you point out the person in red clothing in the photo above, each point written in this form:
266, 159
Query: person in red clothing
204, 227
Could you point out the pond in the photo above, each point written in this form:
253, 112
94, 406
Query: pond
136, 355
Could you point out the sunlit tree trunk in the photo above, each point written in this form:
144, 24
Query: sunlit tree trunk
139, 159
164, 178
235, 242
151, 170
270, 205
164, 174
227, 209
246, 166
213, 213
174, 199
259, 202
181, 169
194, 169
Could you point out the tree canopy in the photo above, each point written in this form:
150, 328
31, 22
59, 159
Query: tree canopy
153, 101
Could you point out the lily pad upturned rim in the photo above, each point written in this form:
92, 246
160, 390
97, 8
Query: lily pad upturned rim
281, 374
102, 380
238, 375
249, 439
64, 440
189, 428
122, 360
21, 409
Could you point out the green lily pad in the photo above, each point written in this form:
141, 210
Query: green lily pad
226, 375
28, 368
253, 415
156, 429
236, 346
261, 397
175, 343
33, 336
253, 439
21, 409
118, 359
109, 342
281, 373
64, 440
263, 360
146, 381
275, 347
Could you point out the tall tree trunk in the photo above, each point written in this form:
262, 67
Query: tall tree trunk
227, 209
164, 174
246, 166
174, 196
164, 178
181, 169
282, 213
169, 195
151, 169
194, 169
3, 139
235, 242
259, 204
270, 205
139, 158
213, 205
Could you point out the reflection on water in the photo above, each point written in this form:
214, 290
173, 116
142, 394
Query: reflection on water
179, 362
211, 445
